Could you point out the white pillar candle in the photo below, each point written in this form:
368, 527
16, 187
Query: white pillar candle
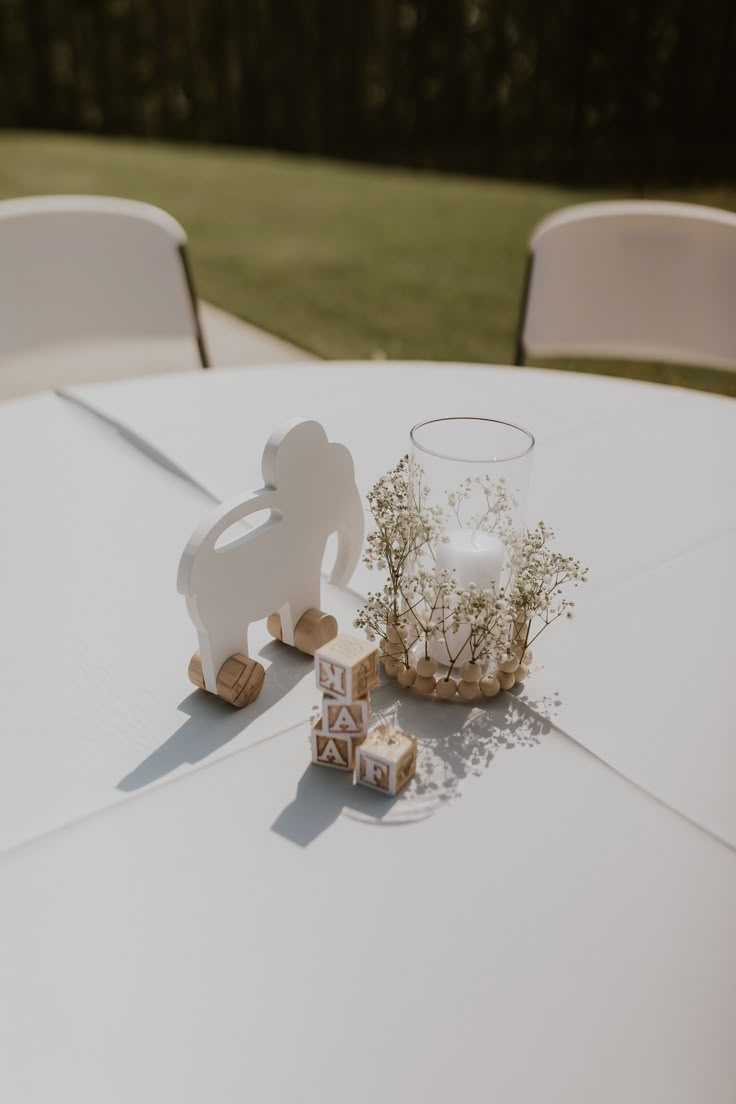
470, 556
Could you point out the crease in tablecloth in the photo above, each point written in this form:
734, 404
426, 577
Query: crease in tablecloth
138, 441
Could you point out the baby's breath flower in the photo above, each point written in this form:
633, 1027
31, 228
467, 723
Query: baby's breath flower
423, 605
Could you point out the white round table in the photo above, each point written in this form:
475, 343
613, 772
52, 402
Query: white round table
191, 911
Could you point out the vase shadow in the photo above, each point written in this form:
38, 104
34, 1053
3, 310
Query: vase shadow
455, 742
459, 741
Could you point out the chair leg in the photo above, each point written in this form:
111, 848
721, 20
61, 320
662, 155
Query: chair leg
198, 333
519, 349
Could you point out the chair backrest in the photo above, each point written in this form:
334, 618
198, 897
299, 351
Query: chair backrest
636, 280
92, 267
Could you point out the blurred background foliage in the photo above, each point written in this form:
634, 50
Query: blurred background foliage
591, 92
238, 117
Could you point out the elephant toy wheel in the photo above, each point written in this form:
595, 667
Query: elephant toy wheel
239, 680
313, 629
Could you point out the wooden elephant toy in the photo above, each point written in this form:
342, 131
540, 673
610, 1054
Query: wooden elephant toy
232, 576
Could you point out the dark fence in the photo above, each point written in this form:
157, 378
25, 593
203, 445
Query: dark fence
582, 91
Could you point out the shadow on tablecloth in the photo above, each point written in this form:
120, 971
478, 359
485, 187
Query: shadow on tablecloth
456, 742
213, 723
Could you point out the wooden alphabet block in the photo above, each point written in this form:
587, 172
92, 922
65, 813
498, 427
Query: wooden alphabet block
387, 759
332, 750
346, 718
346, 668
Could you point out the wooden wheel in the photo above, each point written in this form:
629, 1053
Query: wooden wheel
312, 630
239, 680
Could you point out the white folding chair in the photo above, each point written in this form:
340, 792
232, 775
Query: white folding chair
633, 280
87, 268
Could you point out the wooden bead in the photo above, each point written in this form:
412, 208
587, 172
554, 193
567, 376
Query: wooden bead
520, 673
407, 676
527, 658
509, 665
393, 650
489, 686
313, 629
468, 691
446, 688
424, 684
471, 672
395, 634
426, 667
392, 667
239, 680
506, 679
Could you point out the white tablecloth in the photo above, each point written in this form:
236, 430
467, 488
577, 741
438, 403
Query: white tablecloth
638, 481
190, 911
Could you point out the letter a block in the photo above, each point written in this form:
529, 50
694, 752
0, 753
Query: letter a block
346, 718
386, 759
333, 750
346, 668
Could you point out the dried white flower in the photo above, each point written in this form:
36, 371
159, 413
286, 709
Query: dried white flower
423, 605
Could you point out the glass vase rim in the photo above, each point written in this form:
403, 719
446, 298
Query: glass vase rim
472, 418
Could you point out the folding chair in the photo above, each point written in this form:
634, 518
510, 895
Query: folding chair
90, 268
638, 280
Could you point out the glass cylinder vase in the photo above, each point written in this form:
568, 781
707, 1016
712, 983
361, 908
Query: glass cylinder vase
469, 481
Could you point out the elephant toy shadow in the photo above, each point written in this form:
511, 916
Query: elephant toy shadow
212, 724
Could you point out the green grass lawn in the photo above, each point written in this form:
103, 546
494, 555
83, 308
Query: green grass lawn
346, 261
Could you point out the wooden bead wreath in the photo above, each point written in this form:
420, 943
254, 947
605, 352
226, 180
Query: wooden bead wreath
426, 678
